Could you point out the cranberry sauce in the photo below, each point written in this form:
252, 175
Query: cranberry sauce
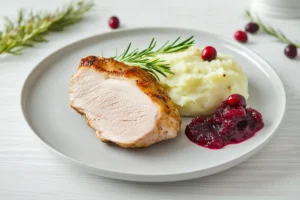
230, 124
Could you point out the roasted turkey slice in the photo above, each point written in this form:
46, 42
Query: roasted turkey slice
124, 104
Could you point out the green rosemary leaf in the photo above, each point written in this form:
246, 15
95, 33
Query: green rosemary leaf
147, 60
8, 25
21, 16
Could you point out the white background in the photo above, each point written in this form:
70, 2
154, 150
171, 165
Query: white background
28, 171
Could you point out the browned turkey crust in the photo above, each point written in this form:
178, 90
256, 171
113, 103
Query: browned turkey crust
147, 84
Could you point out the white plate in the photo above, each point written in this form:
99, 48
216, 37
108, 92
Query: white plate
45, 104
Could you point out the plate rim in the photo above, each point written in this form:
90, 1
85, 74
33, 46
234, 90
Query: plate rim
156, 177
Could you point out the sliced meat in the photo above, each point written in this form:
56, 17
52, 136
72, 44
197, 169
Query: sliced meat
124, 104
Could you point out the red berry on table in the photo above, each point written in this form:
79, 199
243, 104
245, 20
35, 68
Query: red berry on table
290, 51
241, 36
252, 27
114, 22
209, 53
236, 100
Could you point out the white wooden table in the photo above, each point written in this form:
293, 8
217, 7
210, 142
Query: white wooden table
28, 171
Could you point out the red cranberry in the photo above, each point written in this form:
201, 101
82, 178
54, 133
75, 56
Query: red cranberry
236, 100
252, 27
241, 36
114, 22
209, 53
290, 51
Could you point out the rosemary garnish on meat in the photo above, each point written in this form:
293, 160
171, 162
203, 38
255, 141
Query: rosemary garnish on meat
147, 60
32, 27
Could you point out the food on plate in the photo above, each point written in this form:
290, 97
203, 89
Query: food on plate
231, 123
124, 104
135, 99
196, 86
209, 53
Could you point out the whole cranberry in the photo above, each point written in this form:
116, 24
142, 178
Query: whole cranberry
236, 100
114, 22
290, 51
241, 36
252, 27
209, 53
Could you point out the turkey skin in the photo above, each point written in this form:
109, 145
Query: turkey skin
124, 104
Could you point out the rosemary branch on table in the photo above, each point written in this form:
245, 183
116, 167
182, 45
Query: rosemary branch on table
147, 60
32, 27
271, 31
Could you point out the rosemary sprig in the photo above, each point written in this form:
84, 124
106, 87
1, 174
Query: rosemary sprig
32, 27
147, 60
271, 31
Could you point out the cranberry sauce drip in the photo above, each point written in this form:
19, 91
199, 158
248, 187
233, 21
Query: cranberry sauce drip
228, 125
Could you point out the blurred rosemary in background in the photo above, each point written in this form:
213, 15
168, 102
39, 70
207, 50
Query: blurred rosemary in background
270, 30
32, 27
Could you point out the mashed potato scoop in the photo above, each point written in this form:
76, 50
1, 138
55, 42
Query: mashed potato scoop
197, 87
